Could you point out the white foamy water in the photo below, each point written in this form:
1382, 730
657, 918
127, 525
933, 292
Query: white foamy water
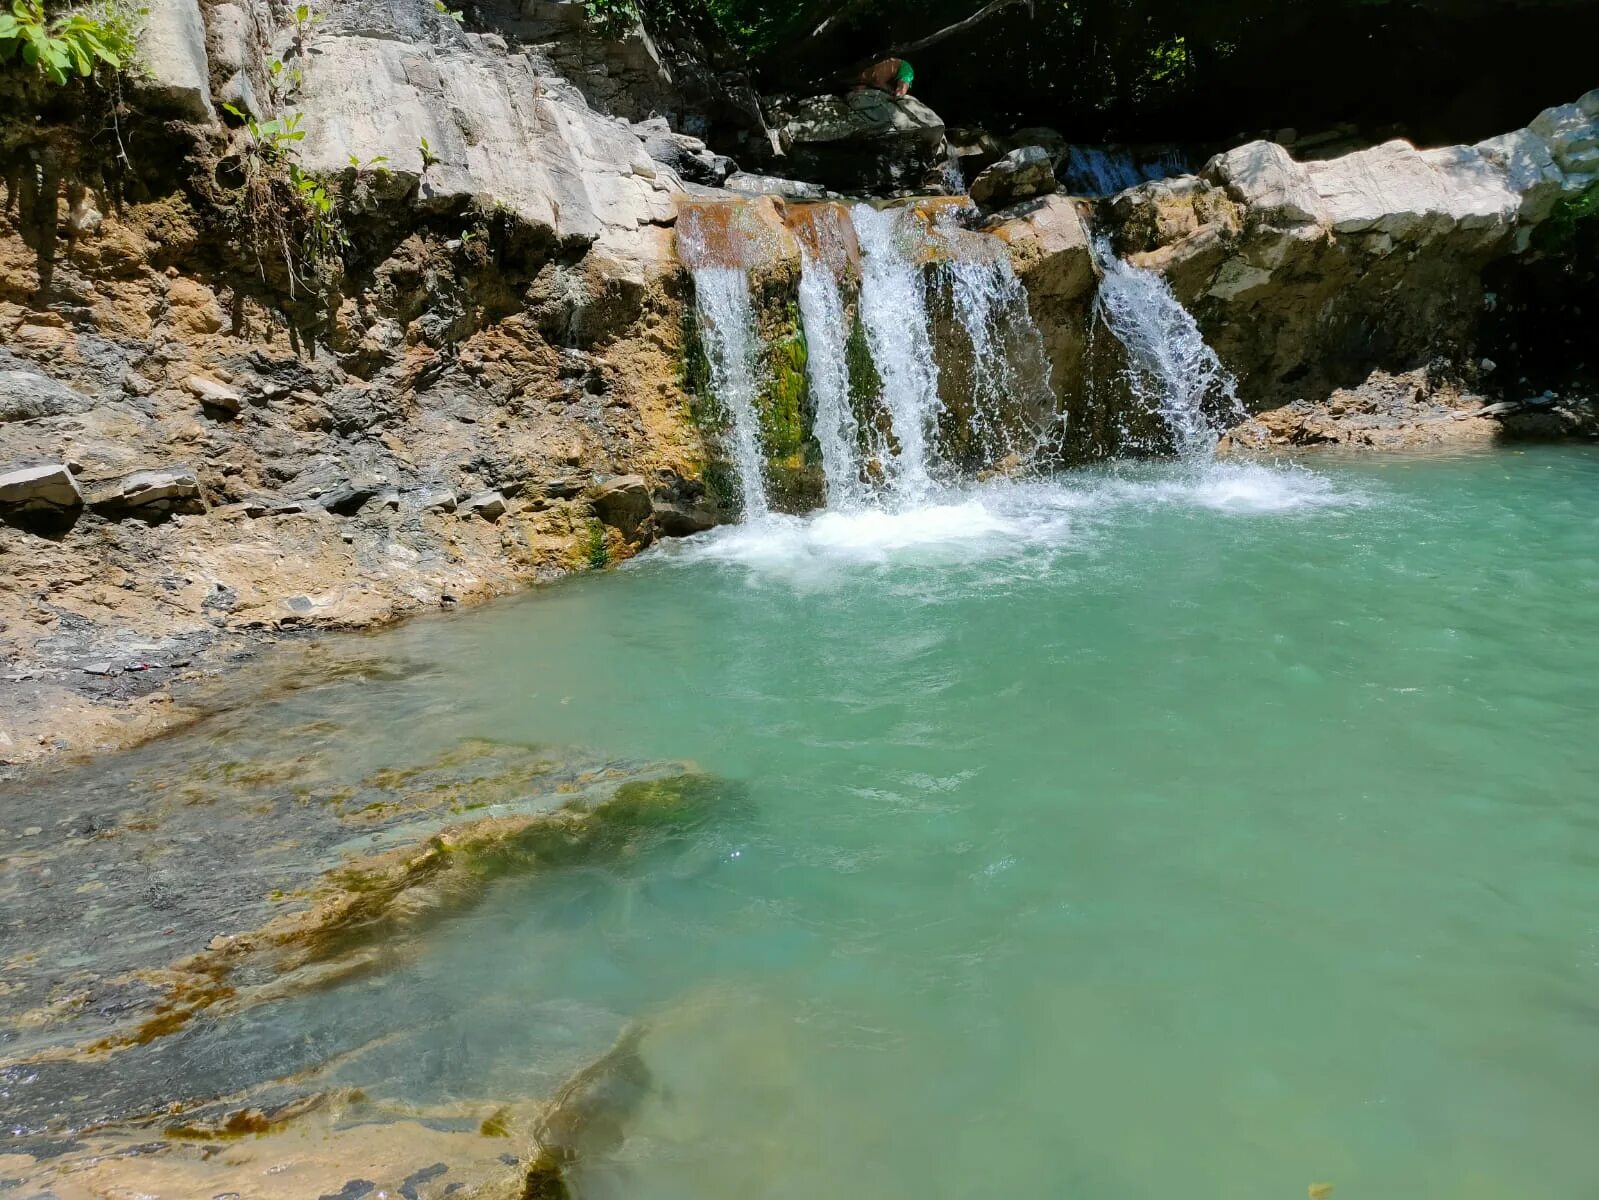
1002, 519
827, 368
727, 324
894, 312
1171, 370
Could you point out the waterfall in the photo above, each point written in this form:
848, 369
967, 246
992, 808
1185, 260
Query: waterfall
1171, 370
1010, 374
894, 313
727, 325
954, 177
1106, 170
827, 369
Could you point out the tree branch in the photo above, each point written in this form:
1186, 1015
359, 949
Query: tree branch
841, 13
982, 14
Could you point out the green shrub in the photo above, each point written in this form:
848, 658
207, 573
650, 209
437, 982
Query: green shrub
71, 44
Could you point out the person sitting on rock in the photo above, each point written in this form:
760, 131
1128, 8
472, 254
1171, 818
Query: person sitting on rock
891, 75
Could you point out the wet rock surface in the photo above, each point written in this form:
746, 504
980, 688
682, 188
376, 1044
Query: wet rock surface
158, 909
1020, 175
1409, 412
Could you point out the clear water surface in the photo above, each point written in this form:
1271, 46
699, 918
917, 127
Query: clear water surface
1166, 832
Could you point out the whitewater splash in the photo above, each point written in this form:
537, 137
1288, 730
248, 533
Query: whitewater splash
1005, 519
894, 313
827, 370
1009, 408
1172, 371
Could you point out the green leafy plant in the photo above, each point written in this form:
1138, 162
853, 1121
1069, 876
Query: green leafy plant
428, 157
284, 78
304, 17
596, 553
611, 17
454, 14
72, 44
281, 204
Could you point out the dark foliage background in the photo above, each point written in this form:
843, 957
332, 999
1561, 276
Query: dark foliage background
1185, 70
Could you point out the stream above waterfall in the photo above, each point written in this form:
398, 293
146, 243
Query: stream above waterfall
1172, 828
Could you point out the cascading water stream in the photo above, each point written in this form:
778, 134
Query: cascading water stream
894, 313
827, 370
1171, 369
727, 325
1010, 374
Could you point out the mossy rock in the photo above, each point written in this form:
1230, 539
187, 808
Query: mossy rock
1559, 232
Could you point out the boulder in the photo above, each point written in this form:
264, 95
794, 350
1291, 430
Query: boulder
1572, 134
437, 498
864, 143
1306, 275
149, 493
47, 489
28, 395
350, 498
622, 503
1049, 245
1019, 175
488, 505
686, 156
1052, 141
176, 74
1264, 177
1529, 169
772, 185
973, 148
214, 394
679, 519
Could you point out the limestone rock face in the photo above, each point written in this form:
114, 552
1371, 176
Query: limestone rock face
863, 143
177, 73
498, 131
1019, 175
1308, 276
175, 489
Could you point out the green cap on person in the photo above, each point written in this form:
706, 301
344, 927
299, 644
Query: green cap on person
906, 74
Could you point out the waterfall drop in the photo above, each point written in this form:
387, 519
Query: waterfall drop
827, 368
1010, 405
727, 325
1172, 372
894, 313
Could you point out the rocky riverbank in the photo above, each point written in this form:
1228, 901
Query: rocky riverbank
333, 859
